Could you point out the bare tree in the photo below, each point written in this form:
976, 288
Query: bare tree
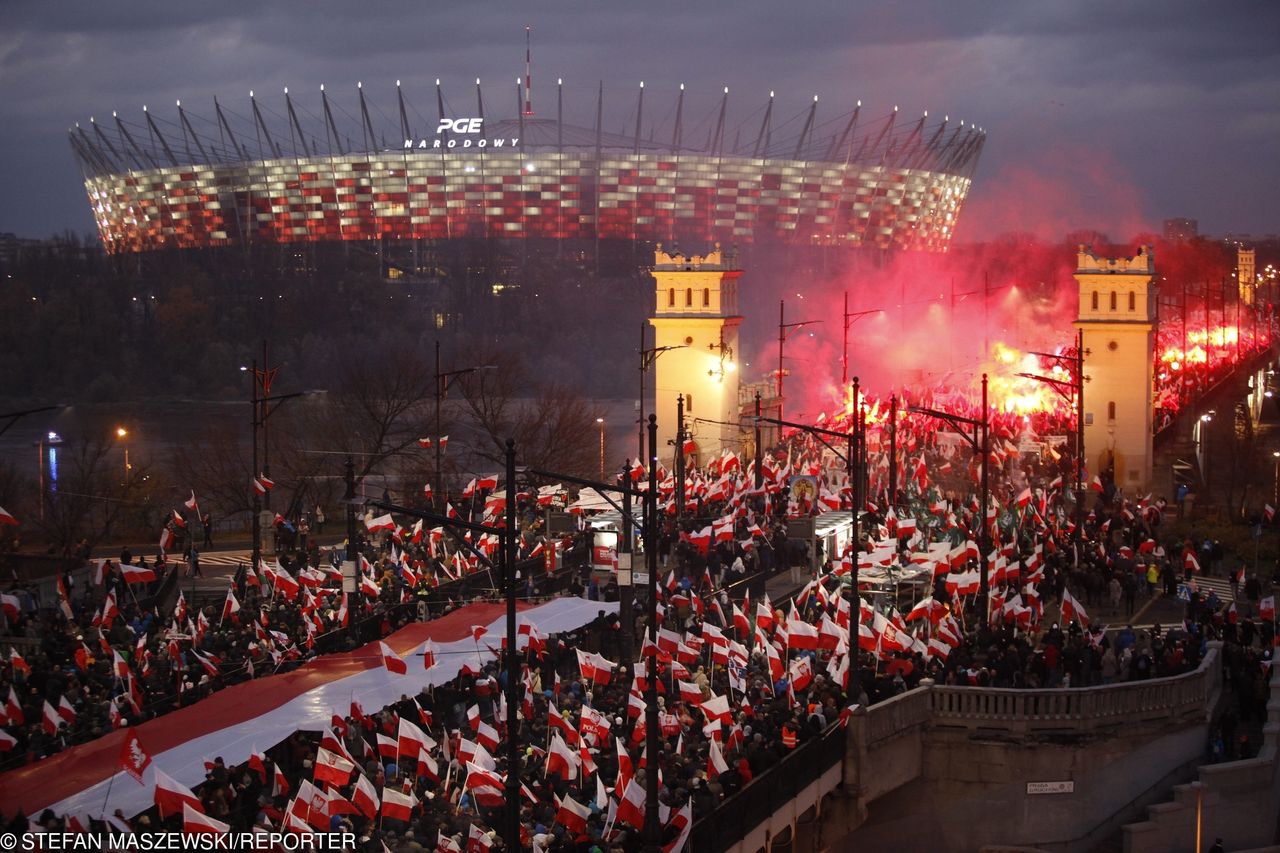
95, 497
553, 426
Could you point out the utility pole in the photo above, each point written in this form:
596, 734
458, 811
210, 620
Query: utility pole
652, 824
759, 478
256, 522
353, 551
626, 588
444, 381
679, 457
784, 329
510, 552
893, 450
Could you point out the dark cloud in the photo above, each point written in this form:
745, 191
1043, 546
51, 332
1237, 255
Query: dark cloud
1177, 99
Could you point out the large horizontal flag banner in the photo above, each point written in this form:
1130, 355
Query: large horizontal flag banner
254, 715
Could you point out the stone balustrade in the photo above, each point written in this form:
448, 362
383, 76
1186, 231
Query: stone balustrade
1064, 710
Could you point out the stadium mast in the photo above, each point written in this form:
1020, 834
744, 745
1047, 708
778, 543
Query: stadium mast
528, 75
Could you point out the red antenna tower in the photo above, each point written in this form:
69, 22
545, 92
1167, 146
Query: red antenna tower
528, 76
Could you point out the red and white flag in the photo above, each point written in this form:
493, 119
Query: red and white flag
366, 797
137, 574
392, 661
171, 795
133, 757
331, 767
195, 823
1267, 608
7, 519
573, 815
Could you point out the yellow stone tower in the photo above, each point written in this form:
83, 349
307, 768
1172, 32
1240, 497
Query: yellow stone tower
696, 313
1117, 317
1246, 273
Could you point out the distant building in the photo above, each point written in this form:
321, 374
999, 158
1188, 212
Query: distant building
1181, 229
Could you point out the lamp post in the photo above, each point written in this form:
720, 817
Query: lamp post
652, 824
785, 329
261, 409
647, 358
853, 445
600, 423
262, 378
849, 320
980, 441
444, 381
1068, 391
122, 434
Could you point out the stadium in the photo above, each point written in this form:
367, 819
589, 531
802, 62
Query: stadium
343, 172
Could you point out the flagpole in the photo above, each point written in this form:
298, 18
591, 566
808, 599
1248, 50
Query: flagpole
107, 798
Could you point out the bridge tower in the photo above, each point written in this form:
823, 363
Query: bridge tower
696, 314
1117, 317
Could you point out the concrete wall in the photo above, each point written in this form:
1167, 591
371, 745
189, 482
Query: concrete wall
1238, 801
943, 768
974, 792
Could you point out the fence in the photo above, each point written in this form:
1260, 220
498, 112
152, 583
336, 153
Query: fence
1078, 709
769, 792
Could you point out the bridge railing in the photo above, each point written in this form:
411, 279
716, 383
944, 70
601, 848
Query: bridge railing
1075, 709
736, 817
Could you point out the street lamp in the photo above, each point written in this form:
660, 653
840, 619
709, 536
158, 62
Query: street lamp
260, 411
122, 434
849, 320
444, 381
854, 443
980, 441
1066, 390
647, 358
600, 422
785, 329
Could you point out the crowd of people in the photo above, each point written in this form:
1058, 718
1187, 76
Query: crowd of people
746, 683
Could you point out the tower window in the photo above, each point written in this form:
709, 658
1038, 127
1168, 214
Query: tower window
1111, 411
688, 297
688, 403
1095, 301
1133, 301
1113, 300
671, 297
706, 297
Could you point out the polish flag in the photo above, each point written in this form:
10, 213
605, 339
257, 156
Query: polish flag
196, 823
366, 797
133, 758
391, 660
631, 805
136, 574
50, 719
561, 759
190, 503
397, 805
411, 738
1267, 608
13, 709
171, 795
7, 519
424, 443
382, 522
573, 815
331, 767
1071, 609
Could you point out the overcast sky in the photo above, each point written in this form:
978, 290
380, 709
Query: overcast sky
1099, 114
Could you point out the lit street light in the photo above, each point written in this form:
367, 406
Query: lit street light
600, 421
122, 434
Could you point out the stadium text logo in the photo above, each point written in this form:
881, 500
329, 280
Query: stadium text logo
467, 126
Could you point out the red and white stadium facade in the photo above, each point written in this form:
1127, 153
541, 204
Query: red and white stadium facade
850, 181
